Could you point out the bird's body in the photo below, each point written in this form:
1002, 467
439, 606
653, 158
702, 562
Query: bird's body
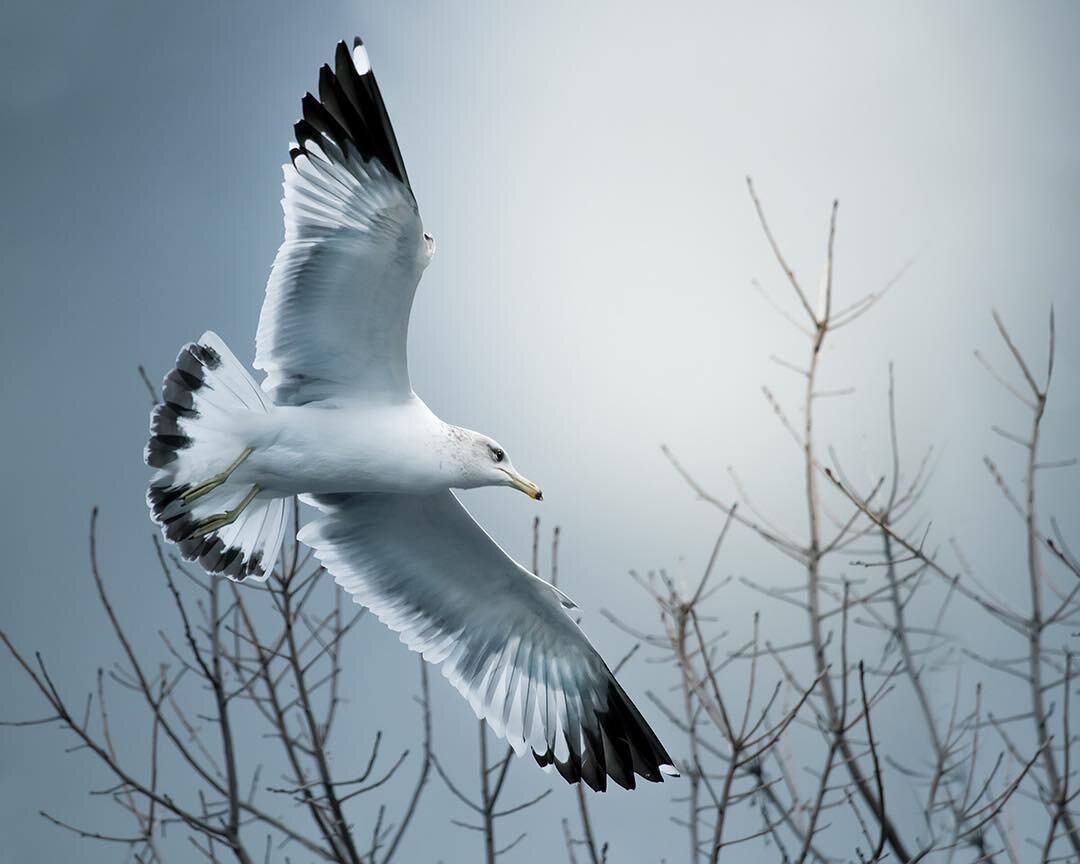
397, 447
336, 422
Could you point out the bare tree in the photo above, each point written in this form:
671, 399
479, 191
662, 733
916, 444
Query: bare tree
1044, 665
964, 787
240, 657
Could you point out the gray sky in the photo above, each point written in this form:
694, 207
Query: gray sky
582, 168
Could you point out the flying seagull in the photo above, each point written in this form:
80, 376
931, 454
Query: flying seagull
337, 423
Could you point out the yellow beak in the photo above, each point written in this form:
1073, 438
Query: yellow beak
526, 486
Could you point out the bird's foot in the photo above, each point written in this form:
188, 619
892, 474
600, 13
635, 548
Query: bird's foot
196, 492
220, 520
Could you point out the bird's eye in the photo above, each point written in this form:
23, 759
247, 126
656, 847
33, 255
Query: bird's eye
498, 454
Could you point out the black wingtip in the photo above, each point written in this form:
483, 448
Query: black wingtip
350, 112
618, 744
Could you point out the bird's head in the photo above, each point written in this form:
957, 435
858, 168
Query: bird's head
487, 463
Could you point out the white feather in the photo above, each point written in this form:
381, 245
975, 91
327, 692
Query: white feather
336, 313
429, 572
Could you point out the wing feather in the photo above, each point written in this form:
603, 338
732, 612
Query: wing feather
502, 635
336, 315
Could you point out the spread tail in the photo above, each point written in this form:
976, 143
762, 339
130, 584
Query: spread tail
217, 519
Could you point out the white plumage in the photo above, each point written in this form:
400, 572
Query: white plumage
340, 425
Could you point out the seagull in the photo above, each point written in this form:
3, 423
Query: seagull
336, 424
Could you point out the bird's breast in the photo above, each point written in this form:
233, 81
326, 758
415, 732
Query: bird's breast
311, 449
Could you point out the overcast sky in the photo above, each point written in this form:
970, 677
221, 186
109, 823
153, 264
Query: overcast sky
582, 169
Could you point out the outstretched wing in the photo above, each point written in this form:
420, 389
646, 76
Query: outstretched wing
336, 315
430, 573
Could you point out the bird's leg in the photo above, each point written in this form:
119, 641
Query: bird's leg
220, 520
196, 492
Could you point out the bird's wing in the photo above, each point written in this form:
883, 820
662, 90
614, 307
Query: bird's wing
430, 573
336, 314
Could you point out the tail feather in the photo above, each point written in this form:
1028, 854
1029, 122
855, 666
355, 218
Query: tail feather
193, 437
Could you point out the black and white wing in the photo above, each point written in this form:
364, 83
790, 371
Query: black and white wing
430, 573
336, 315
